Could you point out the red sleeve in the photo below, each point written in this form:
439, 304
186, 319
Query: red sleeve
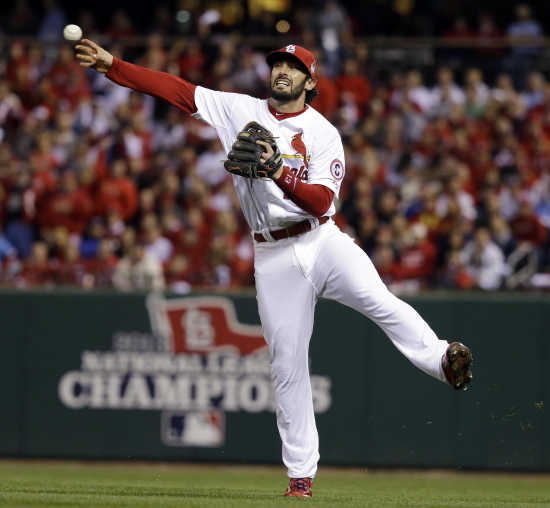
313, 198
175, 90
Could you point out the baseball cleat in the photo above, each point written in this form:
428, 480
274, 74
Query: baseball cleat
299, 487
457, 365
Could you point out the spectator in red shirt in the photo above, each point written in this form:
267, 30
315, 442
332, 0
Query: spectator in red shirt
117, 192
527, 227
69, 82
70, 206
102, 266
356, 83
383, 258
37, 270
327, 100
192, 61
417, 258
43, 165
71, 268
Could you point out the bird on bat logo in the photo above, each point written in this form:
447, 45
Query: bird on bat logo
298, 144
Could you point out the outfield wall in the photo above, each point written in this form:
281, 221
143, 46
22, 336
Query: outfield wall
120, 376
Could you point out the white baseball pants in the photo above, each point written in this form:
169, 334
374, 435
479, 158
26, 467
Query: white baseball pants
290, 275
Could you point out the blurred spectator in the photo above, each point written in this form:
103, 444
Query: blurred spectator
121, 25
526, 226
70, 269
37, 269
155, 56
7, 250
101, 267
177, 275
446, 93
210, 164
327, 100
11, 110
53, 21
483, 261
473, 80
117, 192
352, 81
523, 30
70, 206
458, 32
156, 245
417, 257
69, 85
534, 95
138, 271
333, 26
487, 32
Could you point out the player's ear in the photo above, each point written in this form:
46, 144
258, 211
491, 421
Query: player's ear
310, 84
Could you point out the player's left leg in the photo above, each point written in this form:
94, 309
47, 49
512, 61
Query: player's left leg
348, 276
286, 303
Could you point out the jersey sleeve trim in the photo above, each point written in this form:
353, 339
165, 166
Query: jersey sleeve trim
313, 199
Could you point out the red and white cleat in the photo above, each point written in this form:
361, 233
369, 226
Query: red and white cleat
299, 487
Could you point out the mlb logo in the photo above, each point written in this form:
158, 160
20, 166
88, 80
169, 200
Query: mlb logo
193, 428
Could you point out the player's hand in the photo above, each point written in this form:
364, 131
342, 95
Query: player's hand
268, 153
92, 55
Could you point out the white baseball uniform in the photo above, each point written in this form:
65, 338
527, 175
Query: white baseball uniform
291, 274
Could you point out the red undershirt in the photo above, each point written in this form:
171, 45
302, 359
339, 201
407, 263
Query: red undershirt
315, 199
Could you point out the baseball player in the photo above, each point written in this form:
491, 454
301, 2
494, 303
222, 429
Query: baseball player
288, 164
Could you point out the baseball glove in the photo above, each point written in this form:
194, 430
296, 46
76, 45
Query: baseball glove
244, 159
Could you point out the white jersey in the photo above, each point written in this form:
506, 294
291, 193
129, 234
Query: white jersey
310, 146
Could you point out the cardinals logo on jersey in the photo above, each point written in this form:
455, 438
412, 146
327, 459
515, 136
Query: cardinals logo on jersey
298, 144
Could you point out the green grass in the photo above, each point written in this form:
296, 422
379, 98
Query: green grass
164, 485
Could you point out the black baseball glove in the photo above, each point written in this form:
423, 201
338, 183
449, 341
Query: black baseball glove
244, 159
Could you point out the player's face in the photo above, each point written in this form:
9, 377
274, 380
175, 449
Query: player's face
288, 81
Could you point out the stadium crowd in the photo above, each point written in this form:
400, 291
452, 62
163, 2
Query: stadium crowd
447, 186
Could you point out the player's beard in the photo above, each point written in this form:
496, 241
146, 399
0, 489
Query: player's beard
291, 95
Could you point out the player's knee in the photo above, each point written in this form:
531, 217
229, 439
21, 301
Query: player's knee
288, 365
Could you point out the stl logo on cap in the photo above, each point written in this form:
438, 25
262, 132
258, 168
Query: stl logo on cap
291, 48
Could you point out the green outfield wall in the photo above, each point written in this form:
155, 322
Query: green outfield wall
131, 376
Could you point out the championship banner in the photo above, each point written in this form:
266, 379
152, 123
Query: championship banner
198, 363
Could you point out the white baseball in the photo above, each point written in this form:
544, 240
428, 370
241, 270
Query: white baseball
72, 33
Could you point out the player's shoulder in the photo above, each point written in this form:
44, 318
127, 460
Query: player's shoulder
229, 96
322, 125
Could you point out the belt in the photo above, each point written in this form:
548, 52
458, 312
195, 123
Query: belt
296, 229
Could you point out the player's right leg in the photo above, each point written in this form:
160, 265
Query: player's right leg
286, 302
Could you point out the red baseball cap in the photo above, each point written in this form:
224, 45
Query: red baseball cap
304, 56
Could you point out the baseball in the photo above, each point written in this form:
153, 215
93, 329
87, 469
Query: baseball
72, 33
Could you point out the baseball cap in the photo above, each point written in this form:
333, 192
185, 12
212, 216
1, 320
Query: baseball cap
304, 56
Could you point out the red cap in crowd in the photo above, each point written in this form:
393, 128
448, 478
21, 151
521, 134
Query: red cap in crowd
304, 56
